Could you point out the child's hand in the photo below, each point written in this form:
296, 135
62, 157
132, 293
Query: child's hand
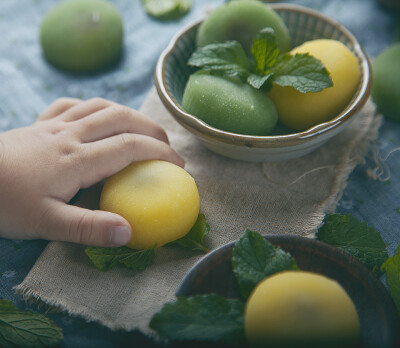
73, 145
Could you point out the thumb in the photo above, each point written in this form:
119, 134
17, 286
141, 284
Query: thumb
78, 225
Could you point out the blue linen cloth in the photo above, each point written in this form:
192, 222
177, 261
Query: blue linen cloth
28, 84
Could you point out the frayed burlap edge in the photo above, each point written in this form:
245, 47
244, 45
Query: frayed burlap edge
354, 155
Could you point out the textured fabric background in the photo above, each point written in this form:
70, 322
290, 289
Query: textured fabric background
272, 198
28, 84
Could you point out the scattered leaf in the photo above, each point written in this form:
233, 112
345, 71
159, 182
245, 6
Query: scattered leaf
354, 237
26, 329
202, 317
6, 306
391, 267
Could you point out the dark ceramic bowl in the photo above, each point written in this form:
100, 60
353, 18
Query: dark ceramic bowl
379, 320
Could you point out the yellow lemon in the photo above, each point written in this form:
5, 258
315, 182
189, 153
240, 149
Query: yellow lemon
300, 309
301, 111
159, 199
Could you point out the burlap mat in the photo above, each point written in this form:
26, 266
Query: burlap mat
285, 197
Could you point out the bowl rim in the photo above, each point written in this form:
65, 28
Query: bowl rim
322, 249
203, 130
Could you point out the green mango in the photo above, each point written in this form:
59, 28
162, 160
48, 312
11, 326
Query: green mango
82, 35
242, 21
386, 82
229, 105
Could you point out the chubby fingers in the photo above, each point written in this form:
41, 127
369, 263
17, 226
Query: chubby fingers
86, 108
58, 107
103, 158
116, 119
78, 225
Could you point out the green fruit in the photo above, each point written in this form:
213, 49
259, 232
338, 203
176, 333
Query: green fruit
229, 105
82, 35
386, 82
167, 10
241, 21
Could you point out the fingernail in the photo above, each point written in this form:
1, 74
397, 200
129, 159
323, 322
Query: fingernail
120, 235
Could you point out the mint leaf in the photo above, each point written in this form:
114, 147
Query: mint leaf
26, 329
166, 9
354, 237
397, 36
194, 239
139, 259
257, 81
106, 258
302, 72
254, 259
6, 305
202, 317
392, 269
265, 51
224, 59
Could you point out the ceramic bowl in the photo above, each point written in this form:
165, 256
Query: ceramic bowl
304, 24
379, 320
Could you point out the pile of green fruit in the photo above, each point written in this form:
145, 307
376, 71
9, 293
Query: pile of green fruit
247, 80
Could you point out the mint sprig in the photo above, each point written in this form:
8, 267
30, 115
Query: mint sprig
300, 71
106, 258
254, 259
26, 329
